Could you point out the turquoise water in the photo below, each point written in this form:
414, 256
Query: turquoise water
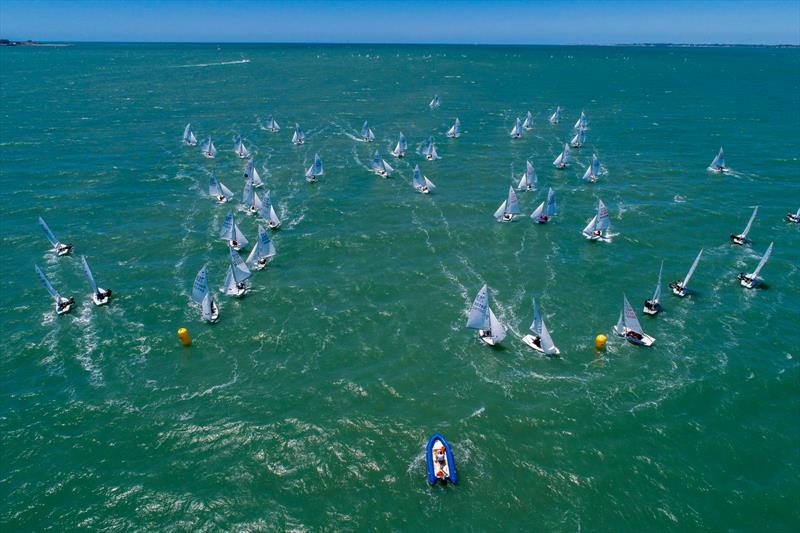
309, 404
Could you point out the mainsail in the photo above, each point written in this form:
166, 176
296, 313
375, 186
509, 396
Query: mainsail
630, 320
272, 125
251, 173
594, 170
564, 157
315, 170
200, 286
48, 233
88, 272
719, 161
208, 148
366, 133
761, 263
556, 116
299, 137
47, 285
528, 124
479, 312
455, 129
264, 249
516, 131
231, 232
749, 223
691, 270
402, 146
188, 135
657, 293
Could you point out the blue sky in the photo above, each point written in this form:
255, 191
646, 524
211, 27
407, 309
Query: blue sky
405, 21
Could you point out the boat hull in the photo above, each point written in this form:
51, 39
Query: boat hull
531, 340
654, 308
486, 339
678, 291
748, 283
436, 472
646, 339
100, 301
738, 239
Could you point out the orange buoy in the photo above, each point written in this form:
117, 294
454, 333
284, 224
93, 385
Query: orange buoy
183, 335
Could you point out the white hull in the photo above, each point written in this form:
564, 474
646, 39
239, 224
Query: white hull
542, 220
646, 339
486, 338
259, 266
239, 293
423, 190
505, 218
652, 311
236, 247
791, 217
273, 226
722, 170
738, 239
62, 250
575, 145
530, 340
679, 291
562, 166
65, 309
251, 211
311, 179
515, 136
208, 155
399, 154
748, 283
298, 142
221, 199
597, 238
100, 301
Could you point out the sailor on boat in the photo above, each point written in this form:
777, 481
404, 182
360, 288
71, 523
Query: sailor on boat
793, 217
677, 288
64, 304
101, 296
651, 305
440, 456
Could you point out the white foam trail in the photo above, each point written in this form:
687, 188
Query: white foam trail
238, 62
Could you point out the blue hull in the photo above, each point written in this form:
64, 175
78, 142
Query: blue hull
451, 463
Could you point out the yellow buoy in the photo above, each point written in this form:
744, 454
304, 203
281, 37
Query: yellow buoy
600, 342
183, 335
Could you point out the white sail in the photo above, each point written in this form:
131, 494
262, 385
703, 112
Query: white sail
516, 131
546, 342
578, 140
590, 227
230, 231
299, 137
498, 329
229, 286
401, 147
512, 205
432, 155
581, 123
48, 233
88, 272
530, 172
719, 161
761, 263
657, 292
500, 211
479, 312
256, 202
435, 103
455, 129
536, 325
47, 285
528, 123
564, 157
251, 173
200, 286
240, 149
691, 270
208, 148
619, 328
247, 193
366, 133
315, 170
594, 170
631, 321
188, 135
267, 212
551, 203
749, 223
538, 212
603, 221
264, 248
226, 192
208, 307
240, 270
556, 116
272, 125
523, 180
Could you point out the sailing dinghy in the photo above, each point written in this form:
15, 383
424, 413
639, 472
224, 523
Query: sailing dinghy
208, 148
516, 131
63, 305
59, 248
528, 180
742, 237
564, 158
653, 305
201, 295
231, 233
250, 172
267, 212
528, 123
236, 278
540, 340
555, 118
440, 462
401, 147
298, 137
380, 166
593, 171
546, 210
793, 217
718, 164
579, 139
581, 123
435, 102
751, 281
509, 207
315, 170
679, 287
366, 133
188, 136
628, 326
218, 191
598, 228
422, 183
100, 296
249, 198
240, 149
455, 129
272, 125
481, 317
429, 150
263, 251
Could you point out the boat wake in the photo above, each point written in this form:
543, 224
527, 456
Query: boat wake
238, 62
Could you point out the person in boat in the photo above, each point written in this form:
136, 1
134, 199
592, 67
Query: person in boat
597, 233
791, 217
508, 216
441, 458
537, 341
529, 188
234, 243
103, 293
262, 262
650, 304
241, 285
676, 285
543, 219
221, 198
634, 335
64, 303
742, 277
64, 248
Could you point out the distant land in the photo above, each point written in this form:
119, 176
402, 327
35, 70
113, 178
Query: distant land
7, 42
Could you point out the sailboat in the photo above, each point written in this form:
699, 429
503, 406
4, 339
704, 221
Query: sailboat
240, 149
751, 281
250, 172
263, 251
315, 170
272, 125
58, 247
481, 317
380, 166
528, 123
653, 305
249, 197
678, 287
208, 148
366, 133
509, 207
593, 171
429, 150
528, 180
793, 217
401, 147
299, 137
236, 278
231, 233
581, 123
628, 326
267, 212
516, 131
718, 164
546, 210
556, 116
579, 139
742, 237
598, 228
218, 191
455, 129
188, 136
63, 305
202, 295
435, 103
100, 296
564, 158
540, 340
422, 183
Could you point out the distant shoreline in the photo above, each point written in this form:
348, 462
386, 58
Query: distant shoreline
7, 42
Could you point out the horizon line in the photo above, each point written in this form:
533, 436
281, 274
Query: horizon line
373, 43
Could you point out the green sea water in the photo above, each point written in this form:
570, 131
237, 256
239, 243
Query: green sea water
308, 406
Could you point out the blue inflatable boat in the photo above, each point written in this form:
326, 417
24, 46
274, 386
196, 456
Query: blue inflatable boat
439, 470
